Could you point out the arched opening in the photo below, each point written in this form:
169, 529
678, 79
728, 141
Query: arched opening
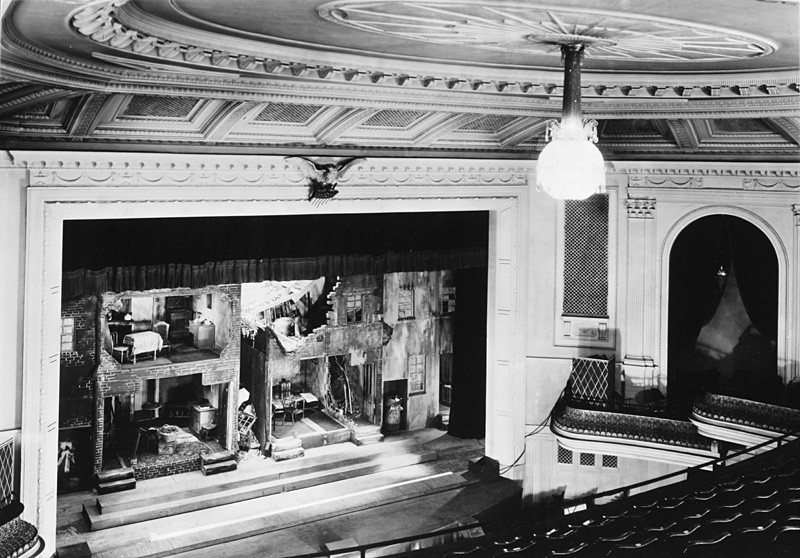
49, 211
183, 381
723, 312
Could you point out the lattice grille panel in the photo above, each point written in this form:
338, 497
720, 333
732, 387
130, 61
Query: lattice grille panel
39, 111
586, 257
741, 125
632, 127
285, 112
394, 118
488, 123
610, 461
587, 459
6, 473
564, 455
158, 106
592, 379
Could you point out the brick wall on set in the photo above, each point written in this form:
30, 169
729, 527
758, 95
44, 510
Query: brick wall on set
167, 466
111, 379
83, 310
76, 386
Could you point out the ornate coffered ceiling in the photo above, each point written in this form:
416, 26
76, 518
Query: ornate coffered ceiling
714, 80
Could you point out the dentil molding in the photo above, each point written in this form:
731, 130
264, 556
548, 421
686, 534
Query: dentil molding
124, 169
145, 60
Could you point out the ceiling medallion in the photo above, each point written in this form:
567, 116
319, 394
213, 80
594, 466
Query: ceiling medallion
542, 29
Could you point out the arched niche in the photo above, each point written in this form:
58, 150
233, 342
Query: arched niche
774, 241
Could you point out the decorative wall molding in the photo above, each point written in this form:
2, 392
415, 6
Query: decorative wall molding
756, 170
641, 208
796, 213
757, 184
641, 181
117, 169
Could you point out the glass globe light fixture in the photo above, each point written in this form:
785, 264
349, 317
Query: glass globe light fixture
571, 167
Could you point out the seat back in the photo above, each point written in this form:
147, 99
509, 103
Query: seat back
162, 328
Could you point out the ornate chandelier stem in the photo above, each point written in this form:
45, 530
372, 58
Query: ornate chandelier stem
571, 113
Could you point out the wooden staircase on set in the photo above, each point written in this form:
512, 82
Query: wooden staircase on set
112, 510
219, 462
365, 434
115, 480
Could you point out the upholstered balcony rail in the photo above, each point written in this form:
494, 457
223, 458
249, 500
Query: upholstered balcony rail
753, 414
568, 420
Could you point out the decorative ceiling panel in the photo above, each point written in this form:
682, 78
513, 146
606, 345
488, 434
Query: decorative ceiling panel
183, 118
476, 77
489, 124
635, 127
48, 119
500, 26
394, 119
160, 106
721, 133
285, 112
741, 126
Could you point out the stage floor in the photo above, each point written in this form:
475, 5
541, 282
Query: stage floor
327, 512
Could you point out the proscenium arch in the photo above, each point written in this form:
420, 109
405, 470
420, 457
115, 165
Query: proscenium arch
783, 265
68, 192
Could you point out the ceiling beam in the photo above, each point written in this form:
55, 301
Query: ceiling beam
789, 128
684, 134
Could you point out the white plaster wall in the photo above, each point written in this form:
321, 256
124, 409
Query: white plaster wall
546, 477
13, 182
680, 194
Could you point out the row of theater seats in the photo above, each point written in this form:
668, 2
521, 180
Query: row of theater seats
749, 509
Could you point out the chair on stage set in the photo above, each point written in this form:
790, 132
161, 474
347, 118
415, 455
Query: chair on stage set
292, 408
162, 328
117, 349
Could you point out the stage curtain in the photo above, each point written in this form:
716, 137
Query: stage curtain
756, 268
468, 403
183, 275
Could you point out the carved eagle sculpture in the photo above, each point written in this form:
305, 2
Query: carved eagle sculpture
323, 177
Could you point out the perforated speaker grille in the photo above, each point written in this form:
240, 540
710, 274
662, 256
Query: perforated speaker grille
284, 112
592, 378
586, 257
393, 118
741, 126
158, 106
488, 123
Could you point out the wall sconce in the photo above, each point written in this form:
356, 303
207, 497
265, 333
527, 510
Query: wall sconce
570, 166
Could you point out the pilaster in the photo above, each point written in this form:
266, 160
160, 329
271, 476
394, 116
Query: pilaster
640, 370
793, 362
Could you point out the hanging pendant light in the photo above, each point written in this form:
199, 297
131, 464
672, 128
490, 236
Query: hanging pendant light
571, 166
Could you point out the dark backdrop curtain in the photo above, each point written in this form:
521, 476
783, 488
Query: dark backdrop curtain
695, 294
756, 266
141, 254
696, 256
175, 275
468, 405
